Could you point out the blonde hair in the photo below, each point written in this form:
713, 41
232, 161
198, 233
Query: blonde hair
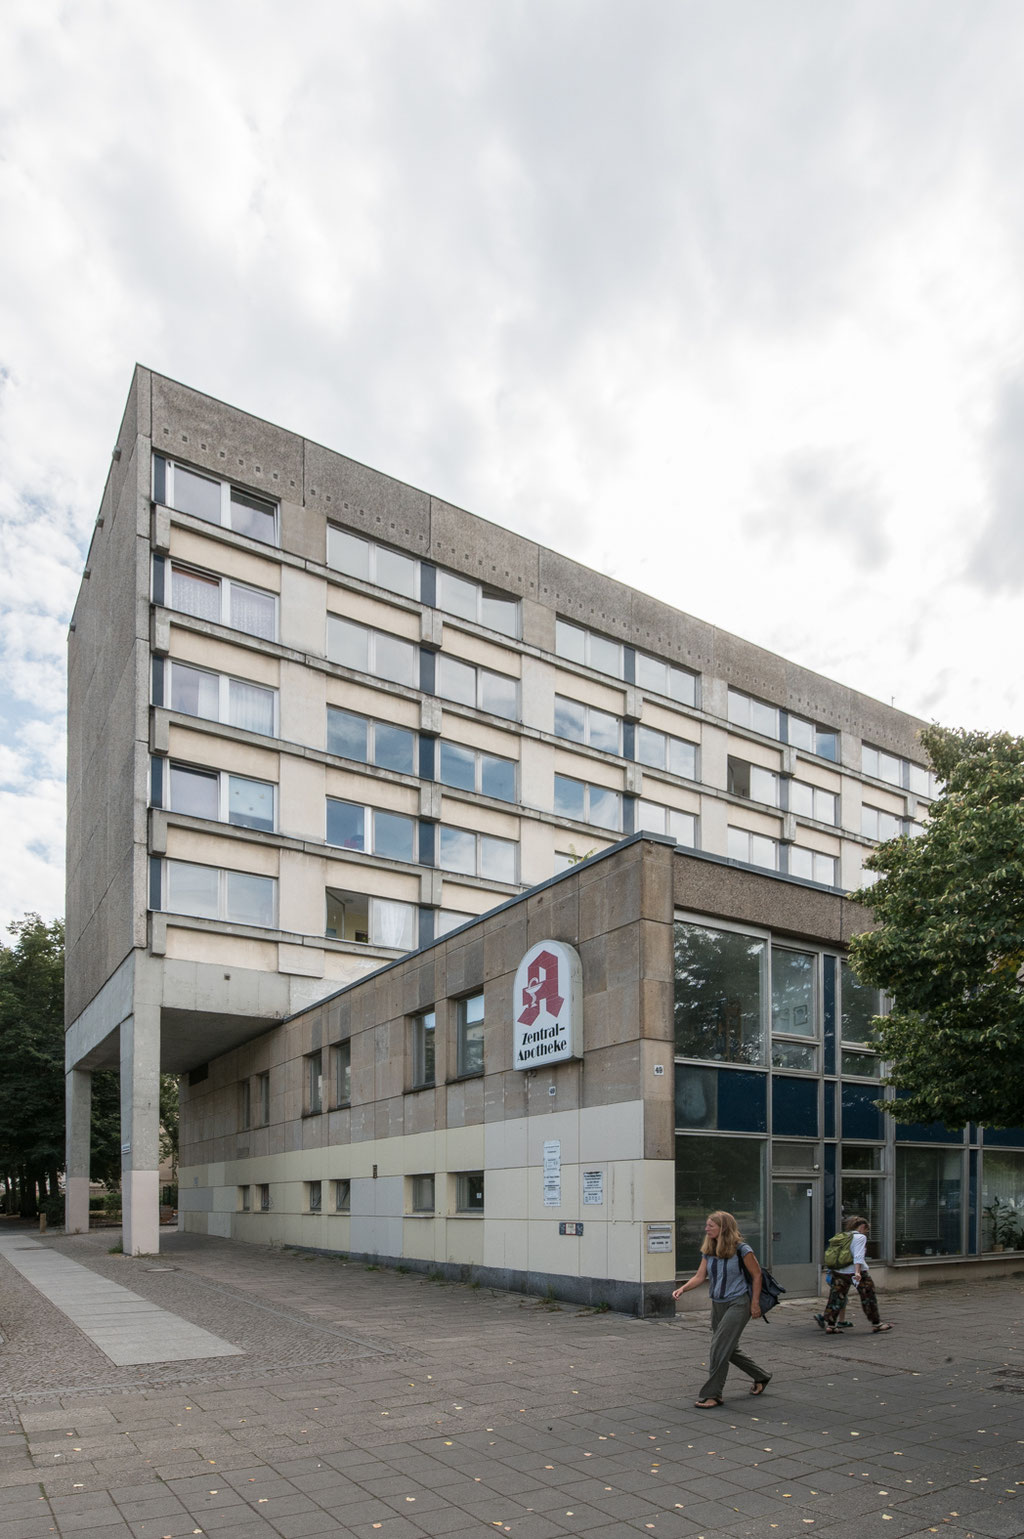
729, 1236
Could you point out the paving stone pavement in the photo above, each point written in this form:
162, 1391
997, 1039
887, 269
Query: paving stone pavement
383, 1405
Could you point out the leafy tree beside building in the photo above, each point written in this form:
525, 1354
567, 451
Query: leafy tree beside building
949, 947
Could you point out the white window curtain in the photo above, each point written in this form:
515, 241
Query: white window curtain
195, 595
392, 924
251, 707
253, 612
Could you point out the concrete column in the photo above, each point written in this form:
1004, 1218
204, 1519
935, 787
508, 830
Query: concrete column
140, 1131
78, 1104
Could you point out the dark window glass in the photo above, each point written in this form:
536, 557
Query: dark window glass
347, 734
498, 777
458, 767
718, 1011
394, 748
713, 1173
345, 825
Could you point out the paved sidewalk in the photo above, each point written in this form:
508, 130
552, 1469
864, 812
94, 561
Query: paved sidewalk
383, 1405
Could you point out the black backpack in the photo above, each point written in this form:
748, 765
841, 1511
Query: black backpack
771, 1288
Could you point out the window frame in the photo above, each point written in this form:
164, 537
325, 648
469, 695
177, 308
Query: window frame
419, 1206
342, 1194
823, 880
479, 755
668, 740
372, 724
226, 587
591, 640
479, 845
223, 779
375, 638
470, 1193
589, 711
670, 813
224, 708
263, 1098
481, 675
313, 1083
423, 1049
223, 874
483, 592
377, 553
750, 835
816, 792
314, 1197
341, 1072
587, 819
470, 1050
370, 814
227, 498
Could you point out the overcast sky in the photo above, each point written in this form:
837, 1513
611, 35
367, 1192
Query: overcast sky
723, 299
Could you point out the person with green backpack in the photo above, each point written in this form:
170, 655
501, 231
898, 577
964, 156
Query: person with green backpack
846, 1259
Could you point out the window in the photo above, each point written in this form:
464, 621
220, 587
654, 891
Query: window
245, 1105
374, 563
352, 916
205, 892
215, 501
343, 1196
706, 1167
862, 1190
929, 1196
224, 602
476, 601
470, 1035
753, 849
586, 724
666, 753
222, 797
467, 684
343, 1073
859, 1005
746, 711
314, 1084
794, 1009
1002, 1188
379, 743
898, 772
263, 1099
877, 824
812, 865
215, 697
449, 919
244, 1203
422, 1194
370, 651
314, 1196
263, 1194
583, 646
585, 803
470, 769
390, 835
719, 992
753, 782
473, 854
665, 679
809, 801
810, 737
423, 1038
656, 819
469, 1191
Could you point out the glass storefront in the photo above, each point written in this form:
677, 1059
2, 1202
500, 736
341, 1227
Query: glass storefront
777, 1074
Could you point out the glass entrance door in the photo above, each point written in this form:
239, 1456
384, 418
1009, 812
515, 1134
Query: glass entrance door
795, 1224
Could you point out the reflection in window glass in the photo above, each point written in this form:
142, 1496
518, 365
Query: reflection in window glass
192, 889
194, 692
861, 1197
713, 1173
498, 777
718, 996
423, 1194
423, 1037
469, 1192
250, 899
457, 850
928, 1201
393, 835
456, 680
656, 819
397, 573
794, 1156
394, 748
1002, 1187
812, 865
794, 993
498, 694
794, 1055
346, 825
197, 495
470, 1035
194, 792
866, 1065
458, 767
253, 516
860, 1004
570, 798
570, 719
497, 859
250, 803
752, 849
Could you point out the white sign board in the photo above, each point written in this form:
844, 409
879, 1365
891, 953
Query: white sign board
553, 1173
547, 1006
659, 1237
593, 1186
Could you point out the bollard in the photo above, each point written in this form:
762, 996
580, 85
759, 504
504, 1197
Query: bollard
42, 1223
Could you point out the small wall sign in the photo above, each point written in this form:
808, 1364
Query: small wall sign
593, 1186
659, 1237
570, 1229
547, 1006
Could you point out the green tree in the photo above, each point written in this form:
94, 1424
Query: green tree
32, 1061
949, 946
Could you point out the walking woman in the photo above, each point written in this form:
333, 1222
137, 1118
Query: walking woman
726, 1263
857, 1275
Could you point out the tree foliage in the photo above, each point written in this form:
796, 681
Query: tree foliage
949, 946
32, 1058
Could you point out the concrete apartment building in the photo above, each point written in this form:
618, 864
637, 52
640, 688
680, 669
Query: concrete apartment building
320, 723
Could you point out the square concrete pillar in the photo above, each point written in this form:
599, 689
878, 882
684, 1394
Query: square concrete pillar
140, 1131
78, 1104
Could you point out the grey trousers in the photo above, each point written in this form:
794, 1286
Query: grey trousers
727, 1322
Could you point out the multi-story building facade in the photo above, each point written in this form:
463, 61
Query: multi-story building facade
319, 719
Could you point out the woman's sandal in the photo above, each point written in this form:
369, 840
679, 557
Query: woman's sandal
760, 1385
707, 1405
876, 1328
831, 1330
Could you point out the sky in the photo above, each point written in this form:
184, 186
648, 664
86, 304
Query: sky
724, 300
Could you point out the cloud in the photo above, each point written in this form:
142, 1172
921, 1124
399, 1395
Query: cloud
997, 561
